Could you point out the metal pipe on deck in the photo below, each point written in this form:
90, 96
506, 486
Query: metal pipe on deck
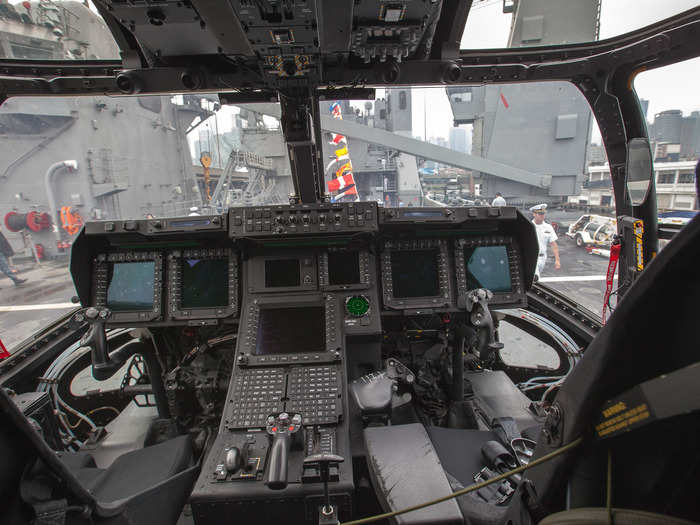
71, 165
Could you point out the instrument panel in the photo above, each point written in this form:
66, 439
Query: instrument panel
371, 260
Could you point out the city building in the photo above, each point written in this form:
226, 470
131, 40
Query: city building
459, 140
675, 187
671, 127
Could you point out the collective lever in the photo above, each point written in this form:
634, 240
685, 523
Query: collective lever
281, 428
329, 514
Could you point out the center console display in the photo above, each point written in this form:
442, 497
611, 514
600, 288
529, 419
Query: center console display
415, 274
291, 330
343, 268
293, 271
203, 283
130, 286
282, 273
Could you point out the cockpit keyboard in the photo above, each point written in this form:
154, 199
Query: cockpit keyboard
312, 391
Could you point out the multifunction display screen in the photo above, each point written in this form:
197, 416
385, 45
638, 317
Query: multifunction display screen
488, 267
281, 273
204, 283
414, 273
343, 268
131, 286
291, 330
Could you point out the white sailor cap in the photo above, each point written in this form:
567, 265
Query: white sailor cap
539, 207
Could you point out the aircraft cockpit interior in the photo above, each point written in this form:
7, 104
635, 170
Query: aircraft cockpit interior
343, 324
317, 357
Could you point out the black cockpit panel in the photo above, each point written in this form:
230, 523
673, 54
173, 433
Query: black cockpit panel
309, 291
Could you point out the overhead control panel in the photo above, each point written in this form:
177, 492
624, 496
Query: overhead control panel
284, 34
300, 219
392, 28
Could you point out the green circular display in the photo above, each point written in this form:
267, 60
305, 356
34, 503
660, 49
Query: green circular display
357, 305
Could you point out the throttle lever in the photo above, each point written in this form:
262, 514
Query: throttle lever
281, 428
329, 513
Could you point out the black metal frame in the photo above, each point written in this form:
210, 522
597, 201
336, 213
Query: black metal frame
603, 71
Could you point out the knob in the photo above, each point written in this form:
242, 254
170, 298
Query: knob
338, 217
283, 418
292, 219
232, 460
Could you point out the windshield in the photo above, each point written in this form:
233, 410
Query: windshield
516, 23
54, 30
68, 160
535, 146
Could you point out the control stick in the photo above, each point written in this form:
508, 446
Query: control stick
477, 302
329, 514
96, 339
281, 428
105, 365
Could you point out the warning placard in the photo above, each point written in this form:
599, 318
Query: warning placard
623, 414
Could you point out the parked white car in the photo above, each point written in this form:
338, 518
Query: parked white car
593, 230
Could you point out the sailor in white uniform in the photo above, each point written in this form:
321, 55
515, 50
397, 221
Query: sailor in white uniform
546, 236
499, 200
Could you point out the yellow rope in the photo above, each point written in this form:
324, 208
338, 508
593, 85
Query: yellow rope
469, 489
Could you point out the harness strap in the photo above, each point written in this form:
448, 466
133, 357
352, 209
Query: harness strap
610, 275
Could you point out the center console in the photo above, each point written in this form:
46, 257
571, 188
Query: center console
305, 288
284, 437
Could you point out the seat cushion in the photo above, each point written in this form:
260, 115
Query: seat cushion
405, 470
459, 450
497, 396
137, 471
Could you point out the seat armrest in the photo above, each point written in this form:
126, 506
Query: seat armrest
405, 471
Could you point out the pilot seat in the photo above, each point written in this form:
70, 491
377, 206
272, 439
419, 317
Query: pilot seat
147, 485
433, 461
